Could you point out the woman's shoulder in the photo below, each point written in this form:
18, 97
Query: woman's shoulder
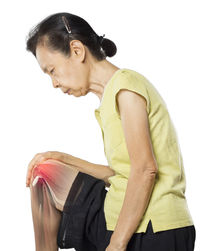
127, 72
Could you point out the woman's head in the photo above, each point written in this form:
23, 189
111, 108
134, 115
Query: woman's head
68, 52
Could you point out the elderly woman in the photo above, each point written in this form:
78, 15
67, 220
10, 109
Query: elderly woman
144, 207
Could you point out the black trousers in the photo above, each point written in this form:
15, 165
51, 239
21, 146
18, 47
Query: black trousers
83, 225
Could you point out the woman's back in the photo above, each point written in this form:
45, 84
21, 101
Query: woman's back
167, 208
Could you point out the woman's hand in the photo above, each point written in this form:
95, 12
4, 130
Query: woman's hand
38, 158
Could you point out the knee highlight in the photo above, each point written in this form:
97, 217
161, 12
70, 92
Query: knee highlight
43, 170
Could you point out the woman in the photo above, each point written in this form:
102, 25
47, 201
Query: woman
144, 207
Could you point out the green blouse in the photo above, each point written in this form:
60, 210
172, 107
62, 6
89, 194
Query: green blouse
167, 207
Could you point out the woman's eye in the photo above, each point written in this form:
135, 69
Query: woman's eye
51, 71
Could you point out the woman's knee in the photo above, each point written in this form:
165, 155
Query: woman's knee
42, 188
44, 171
55, 177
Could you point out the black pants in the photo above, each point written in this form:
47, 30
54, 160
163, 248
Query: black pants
83, 225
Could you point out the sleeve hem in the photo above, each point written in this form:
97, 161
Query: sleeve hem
132, 84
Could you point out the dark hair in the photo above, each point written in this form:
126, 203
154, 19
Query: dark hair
54, 34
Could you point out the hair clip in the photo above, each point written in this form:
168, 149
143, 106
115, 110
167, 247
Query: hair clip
101, 38
66, 23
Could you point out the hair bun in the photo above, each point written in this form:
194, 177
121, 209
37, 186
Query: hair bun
108, 47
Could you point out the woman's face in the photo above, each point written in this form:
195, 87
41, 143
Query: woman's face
68, 74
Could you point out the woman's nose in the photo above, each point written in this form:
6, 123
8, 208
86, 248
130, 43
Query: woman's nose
55, 84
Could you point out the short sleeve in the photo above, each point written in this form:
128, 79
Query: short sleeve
133, 83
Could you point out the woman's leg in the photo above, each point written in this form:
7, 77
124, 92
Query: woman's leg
50, 185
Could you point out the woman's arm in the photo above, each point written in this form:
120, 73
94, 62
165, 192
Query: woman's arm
99, 171
138, 192
143, 169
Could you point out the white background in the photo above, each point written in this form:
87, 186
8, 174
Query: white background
159, 39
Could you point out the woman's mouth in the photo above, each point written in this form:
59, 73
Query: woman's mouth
67, 91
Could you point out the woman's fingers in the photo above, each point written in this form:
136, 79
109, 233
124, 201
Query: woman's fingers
29, 175
30, 167
39, 157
